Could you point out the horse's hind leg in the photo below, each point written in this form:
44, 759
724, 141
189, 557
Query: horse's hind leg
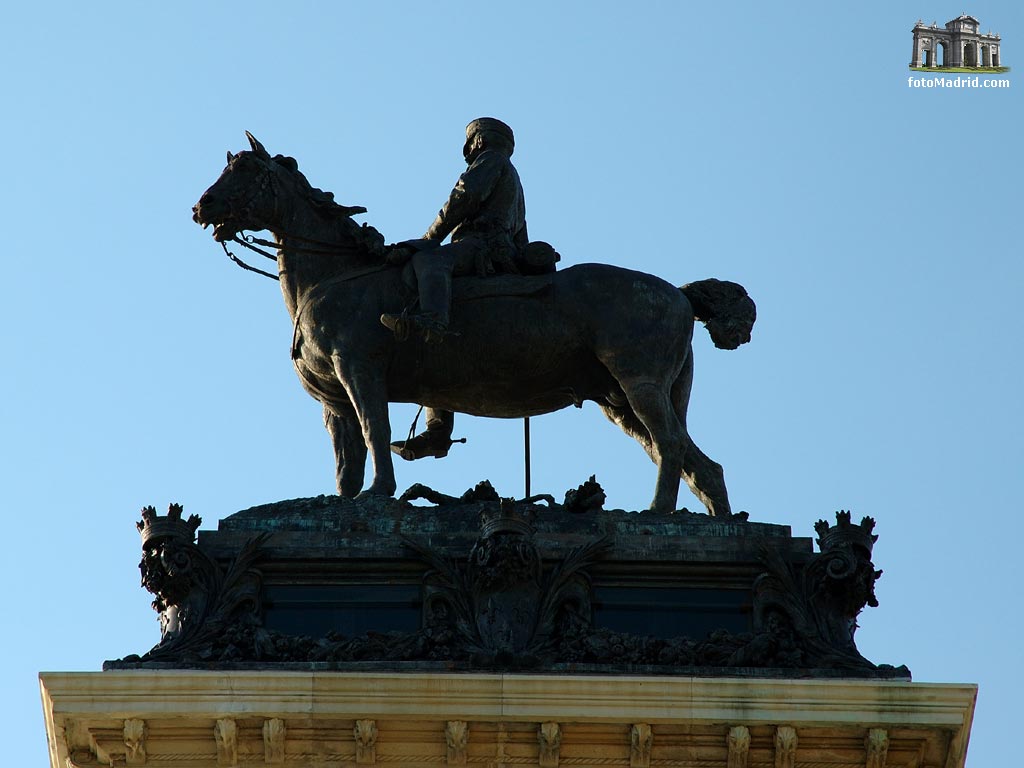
706, 480
704, 476
349, 447
623, 417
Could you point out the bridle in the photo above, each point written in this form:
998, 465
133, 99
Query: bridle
265, 183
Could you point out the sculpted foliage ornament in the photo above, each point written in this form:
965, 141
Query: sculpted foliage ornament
135, 741
819, 605
225, 734
641, 739
549, 740
167, 560
738, 742
456, 737
196, 599
274, 734
500, 605
588, 497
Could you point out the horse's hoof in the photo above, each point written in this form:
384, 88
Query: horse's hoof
374, 493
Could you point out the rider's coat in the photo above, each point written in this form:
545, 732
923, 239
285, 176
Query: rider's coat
486, 215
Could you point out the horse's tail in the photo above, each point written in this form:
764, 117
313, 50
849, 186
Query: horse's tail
725, 309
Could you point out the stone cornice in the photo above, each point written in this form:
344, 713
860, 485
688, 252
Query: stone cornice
510, 697
79, 705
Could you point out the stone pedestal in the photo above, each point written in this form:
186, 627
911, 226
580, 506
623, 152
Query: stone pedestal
489, 631
484, 583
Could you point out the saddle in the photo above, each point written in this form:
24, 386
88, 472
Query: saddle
471, 288
536, 266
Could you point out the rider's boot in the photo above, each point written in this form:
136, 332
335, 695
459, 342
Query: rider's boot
427, 323
398, 324
435, 440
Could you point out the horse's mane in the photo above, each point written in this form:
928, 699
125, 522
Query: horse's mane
366, 237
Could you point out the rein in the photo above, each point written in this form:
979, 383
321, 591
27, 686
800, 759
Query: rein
251, 242
245, 266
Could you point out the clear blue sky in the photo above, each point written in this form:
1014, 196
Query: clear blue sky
877, 226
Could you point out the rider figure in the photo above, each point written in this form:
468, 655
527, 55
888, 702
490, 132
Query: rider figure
486, 218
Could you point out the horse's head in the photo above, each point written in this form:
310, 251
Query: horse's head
254, 192
244, 197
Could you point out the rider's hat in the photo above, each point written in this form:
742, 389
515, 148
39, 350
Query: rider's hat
488, 124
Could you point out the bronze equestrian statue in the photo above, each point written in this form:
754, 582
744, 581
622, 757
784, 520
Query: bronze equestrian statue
515, 345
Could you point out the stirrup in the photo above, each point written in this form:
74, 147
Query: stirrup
422, 446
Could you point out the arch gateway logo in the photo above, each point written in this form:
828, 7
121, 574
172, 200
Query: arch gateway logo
959, 46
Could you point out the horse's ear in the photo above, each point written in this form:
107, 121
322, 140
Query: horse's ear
256, 146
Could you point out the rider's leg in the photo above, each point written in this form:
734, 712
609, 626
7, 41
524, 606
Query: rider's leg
440, 422
433, 271
434, 278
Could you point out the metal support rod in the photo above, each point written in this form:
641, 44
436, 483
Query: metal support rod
526, 446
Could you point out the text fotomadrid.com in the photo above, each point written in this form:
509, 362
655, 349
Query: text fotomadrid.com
957, 82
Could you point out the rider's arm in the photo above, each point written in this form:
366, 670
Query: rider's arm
472, 188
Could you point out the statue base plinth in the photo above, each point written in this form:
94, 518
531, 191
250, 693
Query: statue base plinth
484, 583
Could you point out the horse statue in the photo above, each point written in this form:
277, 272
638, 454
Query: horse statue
519, 346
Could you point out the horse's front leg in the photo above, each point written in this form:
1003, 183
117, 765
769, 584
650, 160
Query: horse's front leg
367, 391
349, 447
653, 407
